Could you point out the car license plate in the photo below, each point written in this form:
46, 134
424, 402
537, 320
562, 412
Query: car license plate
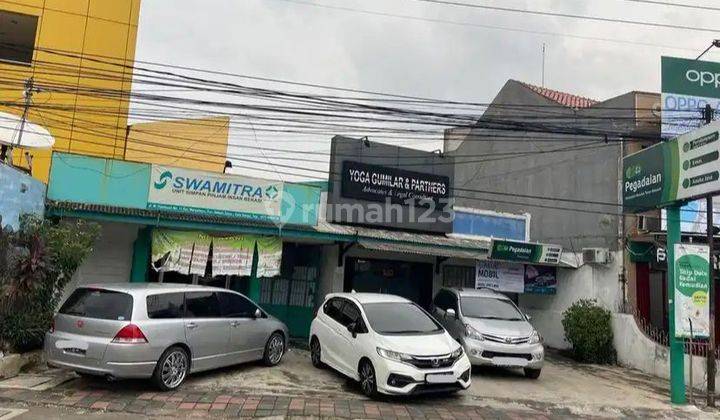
440, 378
509, 362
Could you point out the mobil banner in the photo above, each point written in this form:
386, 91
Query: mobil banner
516, 278
692, 286
207, 193
501, 276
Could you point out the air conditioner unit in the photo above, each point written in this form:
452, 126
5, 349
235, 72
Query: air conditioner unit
596, 255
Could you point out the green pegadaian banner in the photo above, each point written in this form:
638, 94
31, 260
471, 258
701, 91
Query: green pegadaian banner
524, 252
683, 168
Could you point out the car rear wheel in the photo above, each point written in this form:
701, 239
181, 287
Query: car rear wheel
315, 353
368, 380
274, 349
532, 373
172, 369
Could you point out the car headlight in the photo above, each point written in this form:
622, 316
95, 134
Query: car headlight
457, 353
472, 333
394, 355
535, 338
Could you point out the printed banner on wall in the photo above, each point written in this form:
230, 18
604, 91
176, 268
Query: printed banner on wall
180, 251
516, 278
500, 276
692, 285
540, 279
270, 256
187, 253
232, 256
200, 192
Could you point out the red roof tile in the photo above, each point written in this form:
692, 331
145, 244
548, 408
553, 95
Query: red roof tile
565, 99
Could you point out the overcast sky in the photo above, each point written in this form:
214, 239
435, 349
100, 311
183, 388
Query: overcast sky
303, 41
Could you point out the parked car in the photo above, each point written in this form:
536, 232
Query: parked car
387, 343
491, 329
160, 331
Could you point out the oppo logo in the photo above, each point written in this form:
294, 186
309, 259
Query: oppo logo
703, 77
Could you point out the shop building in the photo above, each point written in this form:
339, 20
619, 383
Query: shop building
280, 245
170, 224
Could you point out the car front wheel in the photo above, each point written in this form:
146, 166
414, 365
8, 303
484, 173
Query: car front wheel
172, 369
532, 373
368, 380
315, 353
274, 349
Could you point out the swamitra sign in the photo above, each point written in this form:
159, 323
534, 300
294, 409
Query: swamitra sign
525, 252
199, 192
680, 169
692, 288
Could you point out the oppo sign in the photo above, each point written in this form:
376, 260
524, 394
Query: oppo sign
703, 77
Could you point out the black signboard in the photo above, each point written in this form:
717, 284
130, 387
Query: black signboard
364, 181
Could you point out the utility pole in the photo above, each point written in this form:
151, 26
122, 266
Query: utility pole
28, 92
710, 357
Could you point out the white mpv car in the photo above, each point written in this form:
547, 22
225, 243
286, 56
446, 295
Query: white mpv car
387, 343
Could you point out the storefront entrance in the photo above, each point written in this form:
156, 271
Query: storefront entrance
411, 280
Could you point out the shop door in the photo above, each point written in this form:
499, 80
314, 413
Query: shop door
291, 296
410, 280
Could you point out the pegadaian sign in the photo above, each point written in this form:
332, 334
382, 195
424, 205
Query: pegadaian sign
683, 168
525, 252
200, 192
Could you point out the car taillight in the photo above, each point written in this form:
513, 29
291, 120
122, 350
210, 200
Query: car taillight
130, 334
52, 326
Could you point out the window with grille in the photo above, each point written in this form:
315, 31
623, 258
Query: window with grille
459, 276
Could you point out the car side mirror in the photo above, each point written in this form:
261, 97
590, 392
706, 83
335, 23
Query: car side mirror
451, 312
353, 329
528, 317
257, 314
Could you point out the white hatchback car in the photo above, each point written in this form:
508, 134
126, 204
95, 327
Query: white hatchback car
387, 343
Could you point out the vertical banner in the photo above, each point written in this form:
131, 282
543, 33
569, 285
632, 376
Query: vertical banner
269, 255
500, 276
692, 284
180, 251
232, 256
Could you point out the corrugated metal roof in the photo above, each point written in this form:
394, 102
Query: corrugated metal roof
162, 214
434, 250
372, 238
473, 245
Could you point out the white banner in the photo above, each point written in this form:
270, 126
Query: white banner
500, 276
200, 192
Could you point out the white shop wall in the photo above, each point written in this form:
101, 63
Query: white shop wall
589, 281
111, 258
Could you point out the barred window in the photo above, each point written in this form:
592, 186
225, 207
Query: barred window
459, 276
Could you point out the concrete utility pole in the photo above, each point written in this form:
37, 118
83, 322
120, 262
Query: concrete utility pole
710, 357
28, 100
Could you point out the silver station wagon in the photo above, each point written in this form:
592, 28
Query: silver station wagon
160, 331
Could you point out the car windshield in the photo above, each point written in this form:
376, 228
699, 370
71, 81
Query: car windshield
490, 308
399, 318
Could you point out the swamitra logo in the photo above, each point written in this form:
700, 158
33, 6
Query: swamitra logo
271, 192
163, 180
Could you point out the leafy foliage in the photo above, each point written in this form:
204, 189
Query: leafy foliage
37, 262
588, 327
